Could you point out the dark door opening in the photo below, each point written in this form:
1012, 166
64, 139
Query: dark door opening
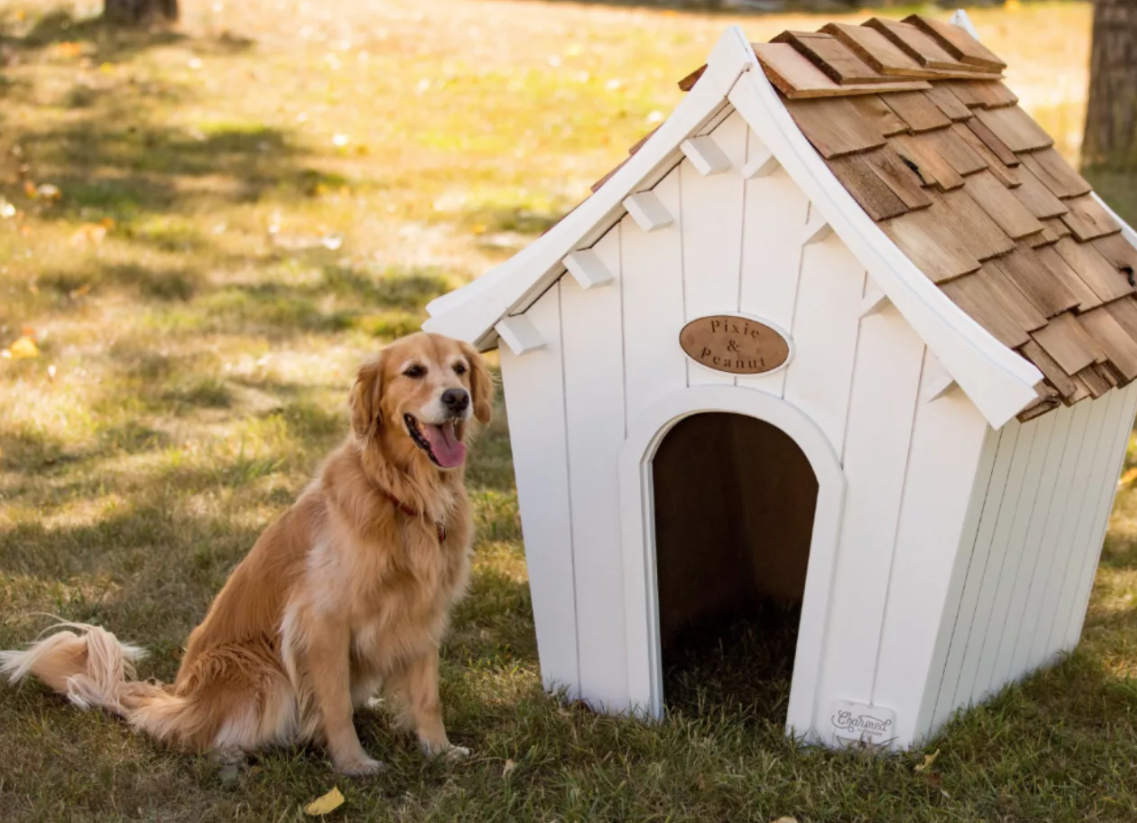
735, 500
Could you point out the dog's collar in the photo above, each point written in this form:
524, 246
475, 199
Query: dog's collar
409, 512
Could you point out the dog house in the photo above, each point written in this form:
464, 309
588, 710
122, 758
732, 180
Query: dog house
844, 330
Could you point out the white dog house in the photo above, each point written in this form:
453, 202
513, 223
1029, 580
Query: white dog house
844, 329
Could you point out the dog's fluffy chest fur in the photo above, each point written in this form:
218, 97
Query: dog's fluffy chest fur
387, 573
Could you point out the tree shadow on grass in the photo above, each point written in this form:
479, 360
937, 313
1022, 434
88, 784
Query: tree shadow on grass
109, 42
116, 155
125, 169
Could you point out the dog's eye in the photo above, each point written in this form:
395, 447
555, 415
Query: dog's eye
415, 371
459, 368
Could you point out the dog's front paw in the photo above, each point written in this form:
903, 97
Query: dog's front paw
359, 766
443, 749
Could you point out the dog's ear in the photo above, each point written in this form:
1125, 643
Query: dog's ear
364, 398
481, 384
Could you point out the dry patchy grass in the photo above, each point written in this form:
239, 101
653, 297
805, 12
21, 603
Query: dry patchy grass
248, 205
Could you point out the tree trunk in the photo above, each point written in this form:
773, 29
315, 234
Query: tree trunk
136, 12
1111, 116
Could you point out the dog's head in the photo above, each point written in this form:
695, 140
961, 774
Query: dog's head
418, 396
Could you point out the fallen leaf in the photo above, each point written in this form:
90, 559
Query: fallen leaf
79, 292
1128, 477
69, 49
508, 768
30, 189
24, 348
929, 759
324, 805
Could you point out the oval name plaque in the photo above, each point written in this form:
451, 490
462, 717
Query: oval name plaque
737, 345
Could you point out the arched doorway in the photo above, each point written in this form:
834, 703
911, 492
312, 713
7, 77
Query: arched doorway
638, 540
735, 502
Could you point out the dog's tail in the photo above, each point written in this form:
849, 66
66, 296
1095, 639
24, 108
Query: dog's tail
88, 666
93, 668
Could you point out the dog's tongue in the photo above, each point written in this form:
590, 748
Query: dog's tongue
448, 450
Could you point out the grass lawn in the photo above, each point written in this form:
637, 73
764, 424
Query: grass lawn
205, 230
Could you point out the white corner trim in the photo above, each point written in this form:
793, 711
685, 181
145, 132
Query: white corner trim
762, 164
705, 155
471, 312
874, 301
817, 229
519, 334
960, 18
997, 380
648, 211
588, 269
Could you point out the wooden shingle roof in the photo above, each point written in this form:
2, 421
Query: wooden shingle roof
913, 119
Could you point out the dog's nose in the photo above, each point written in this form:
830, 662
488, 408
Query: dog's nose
457, 400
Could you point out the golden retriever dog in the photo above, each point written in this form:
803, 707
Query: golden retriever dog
347, 592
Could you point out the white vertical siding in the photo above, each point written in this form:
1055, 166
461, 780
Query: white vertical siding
970, 687
945, 463
988, 500
535, 403
1096, 537
711, 230
1060, 592
1026, 574
652, 278
991, 673
775, 211
824, 330
935, 705
1037, 559
594, 415
1092, 519
889, 357
1033, 644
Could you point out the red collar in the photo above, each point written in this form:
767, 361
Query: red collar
409, 512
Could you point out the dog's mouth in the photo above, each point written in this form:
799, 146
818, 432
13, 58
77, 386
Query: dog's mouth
440, 442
